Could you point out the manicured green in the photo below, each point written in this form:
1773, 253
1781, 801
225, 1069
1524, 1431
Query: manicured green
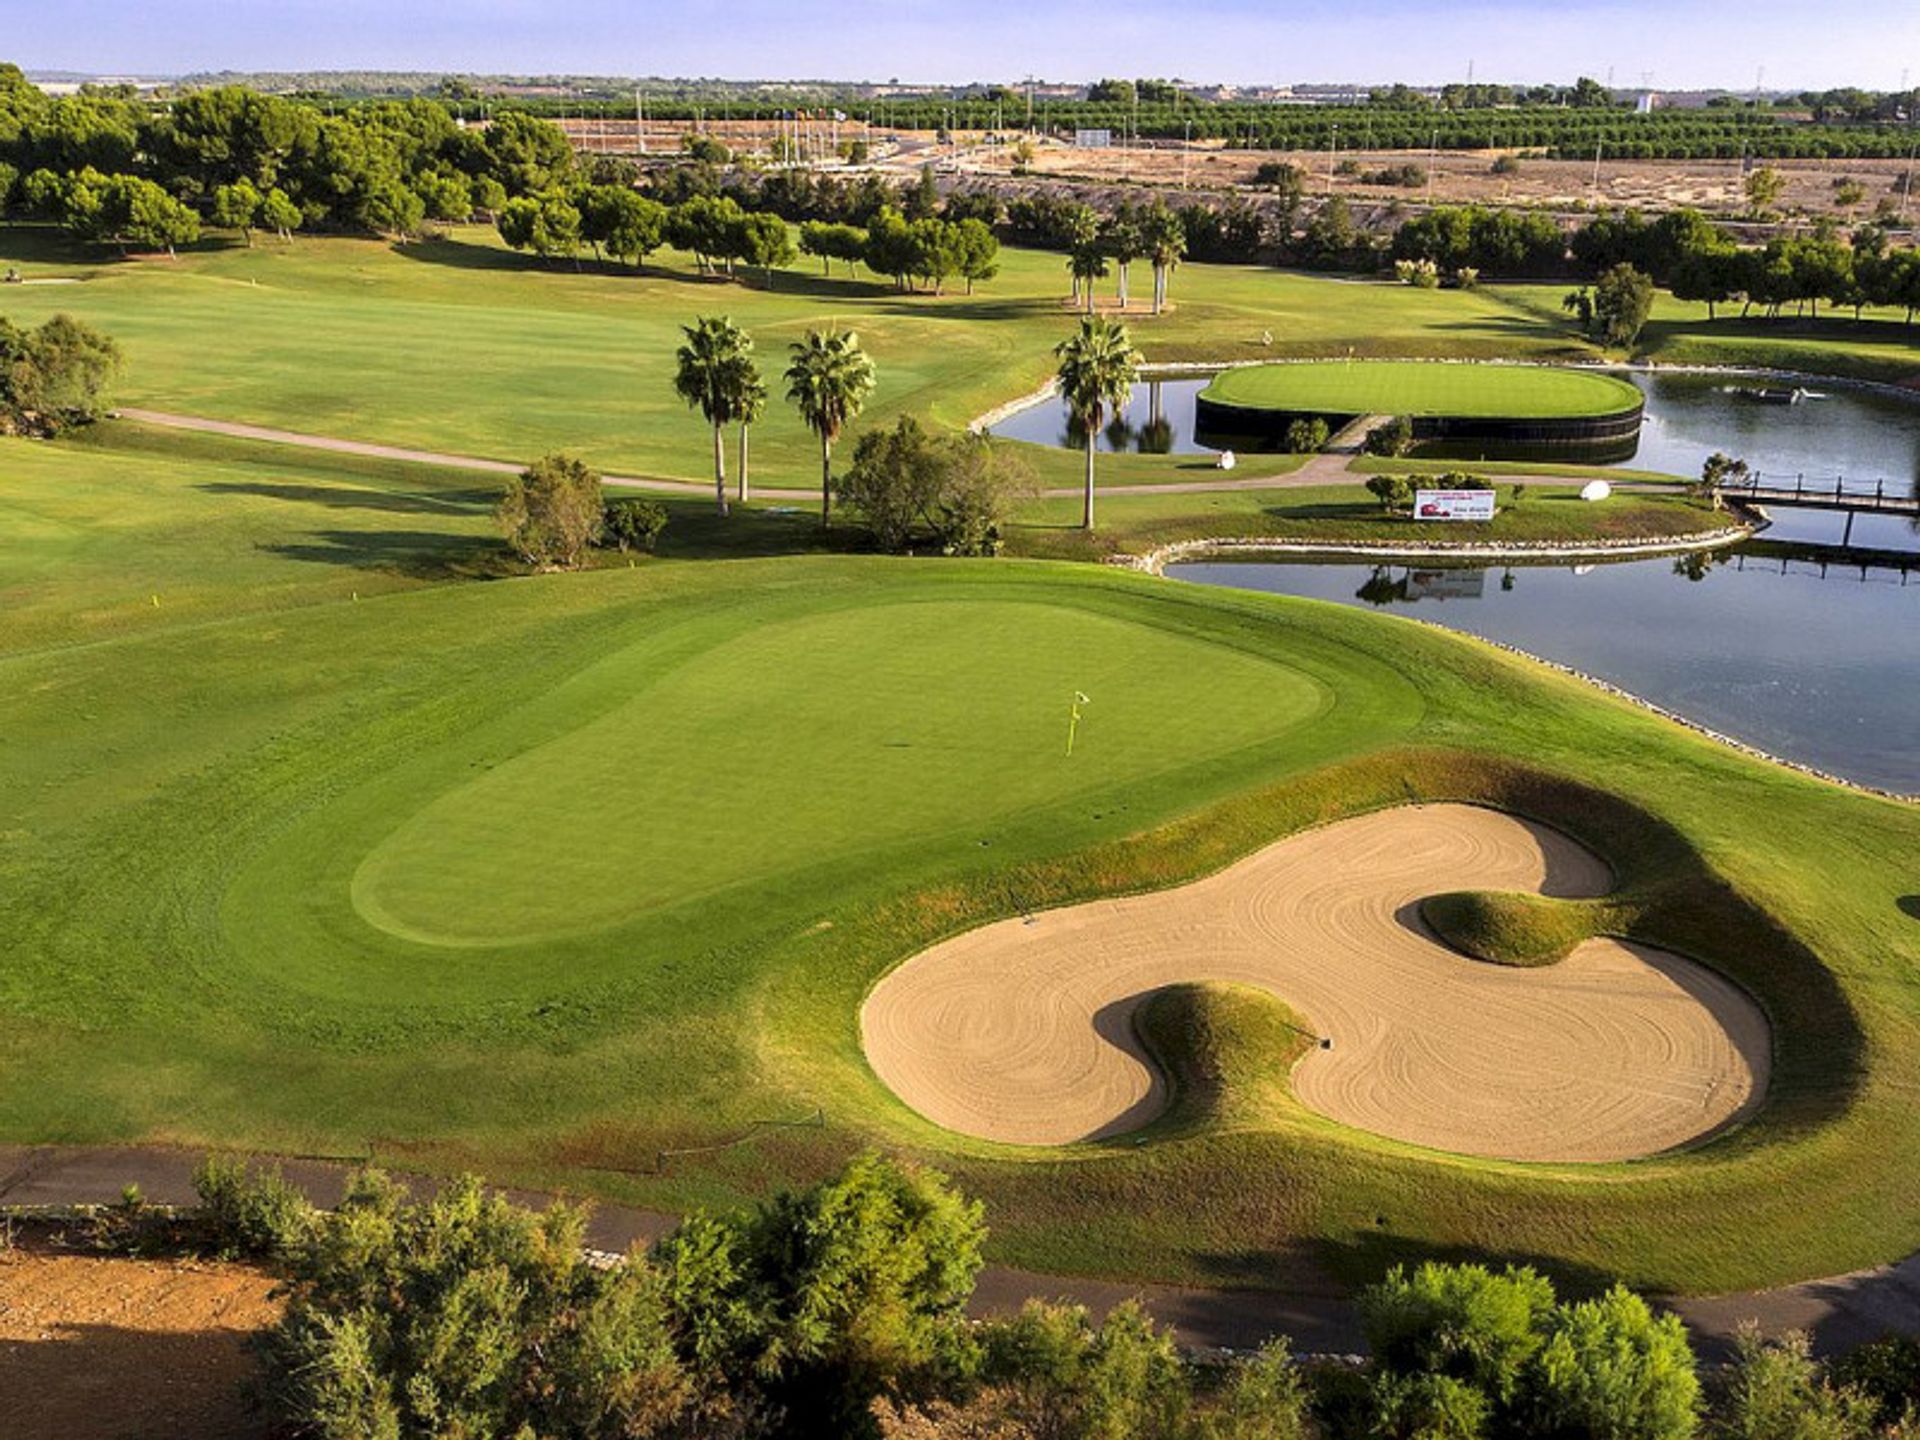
1381, 387
344, 848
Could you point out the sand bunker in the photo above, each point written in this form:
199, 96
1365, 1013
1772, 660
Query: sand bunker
1022, 1031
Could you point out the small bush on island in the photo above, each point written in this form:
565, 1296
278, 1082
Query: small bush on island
1308, 436
1394, 439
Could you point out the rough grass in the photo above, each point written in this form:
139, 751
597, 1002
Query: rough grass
1226, 1052
1509, 927
1377, 387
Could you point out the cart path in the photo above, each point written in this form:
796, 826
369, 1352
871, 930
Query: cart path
1840, 1312
1325, 469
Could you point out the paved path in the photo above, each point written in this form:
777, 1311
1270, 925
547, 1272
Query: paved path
1840, 1312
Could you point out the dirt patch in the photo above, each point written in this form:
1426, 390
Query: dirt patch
95, 1348
1022, 1031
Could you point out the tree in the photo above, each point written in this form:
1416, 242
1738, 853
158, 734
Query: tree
552, 512
1087, 262
237, 207
1775, 1391
922, 202
712, 368
1308, 435
623, 222
1610, 1370
1463, 1321
468, 1315
1098, 366
279, 214
1622, 300
1078, 230
762, 238
634, 524
956, 491
1764, 187
1124, 242
828, 381
1166, 243
975, 251
54, 377
750, 399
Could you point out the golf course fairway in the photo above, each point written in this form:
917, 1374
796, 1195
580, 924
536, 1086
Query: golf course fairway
325, 832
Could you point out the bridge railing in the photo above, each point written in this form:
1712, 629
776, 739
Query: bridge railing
1811, 490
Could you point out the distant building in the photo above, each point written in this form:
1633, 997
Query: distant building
1093, 139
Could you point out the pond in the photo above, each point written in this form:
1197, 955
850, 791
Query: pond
1815, 662
1865, 436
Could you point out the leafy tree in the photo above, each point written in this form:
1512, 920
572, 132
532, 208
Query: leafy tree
922, 201
552, 512
828, 381
54, 377
1393, 439
762, 238
975, 250
634, 524
392, 207
956, 491
1264, 1398
1775, 1391
1098, 366
525, 154
1394, 492
549, 225
1610, 1370
1308, 435
1462, 1321
1764, 188
468, 1316
1622, 301
237, 207
447, 198
712, 372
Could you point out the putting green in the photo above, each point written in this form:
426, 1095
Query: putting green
920, 718
1460, 391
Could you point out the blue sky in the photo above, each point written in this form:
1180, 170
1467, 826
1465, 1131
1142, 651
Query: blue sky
1680, 42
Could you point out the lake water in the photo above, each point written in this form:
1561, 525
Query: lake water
1811, 663
1861, 435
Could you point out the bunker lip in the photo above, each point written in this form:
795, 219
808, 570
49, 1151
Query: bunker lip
1022, 1031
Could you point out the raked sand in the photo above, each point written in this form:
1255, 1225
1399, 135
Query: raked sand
1022, 1031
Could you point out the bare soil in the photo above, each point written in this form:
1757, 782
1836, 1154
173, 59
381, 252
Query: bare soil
99, 1348
1022, 1031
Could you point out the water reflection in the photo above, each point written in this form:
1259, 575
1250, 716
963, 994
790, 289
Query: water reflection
1863, 437
1807, 652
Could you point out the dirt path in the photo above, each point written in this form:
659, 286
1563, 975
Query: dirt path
1022, 1031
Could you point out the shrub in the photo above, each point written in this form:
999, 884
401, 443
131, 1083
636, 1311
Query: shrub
54, 377
1612, 1370
552, 512
1506, 165
249, 1212
1774, 1391
956, 492
1308, 435
1461, 1321
1422, 274
1393, 439
633, 524
1888, 1370
1394, 492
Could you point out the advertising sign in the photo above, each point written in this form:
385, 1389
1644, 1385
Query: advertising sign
1453, 505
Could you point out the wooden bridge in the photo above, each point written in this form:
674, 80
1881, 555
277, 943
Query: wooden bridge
1856, 500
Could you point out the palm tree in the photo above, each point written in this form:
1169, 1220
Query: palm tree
1097, 369
1124, 242
750, 399
1088, 263
1166, 243
1080, 230
828, 382
712, 362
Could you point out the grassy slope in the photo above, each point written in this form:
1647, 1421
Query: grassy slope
190, 791
1384, 388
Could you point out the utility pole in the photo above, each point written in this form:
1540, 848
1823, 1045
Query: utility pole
1333, 144
639, 121
1433, 159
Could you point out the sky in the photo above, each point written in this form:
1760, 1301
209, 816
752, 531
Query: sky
1676, 43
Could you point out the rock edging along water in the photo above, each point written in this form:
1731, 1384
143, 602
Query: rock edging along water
1155, 561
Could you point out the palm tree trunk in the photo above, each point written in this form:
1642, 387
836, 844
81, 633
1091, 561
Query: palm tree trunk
719, 468
744, 427
1124, 271
826, 481
1086, 509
